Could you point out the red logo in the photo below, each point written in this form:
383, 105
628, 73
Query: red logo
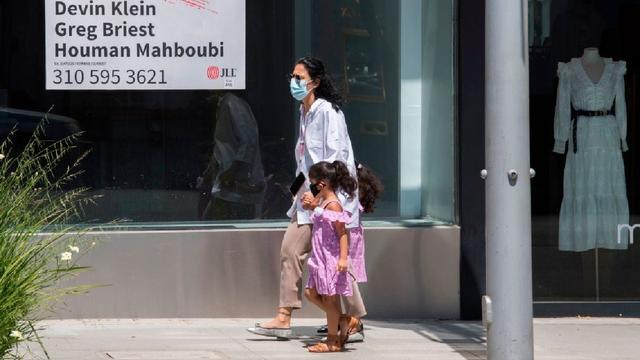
213, 72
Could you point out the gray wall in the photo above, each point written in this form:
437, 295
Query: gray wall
413, 273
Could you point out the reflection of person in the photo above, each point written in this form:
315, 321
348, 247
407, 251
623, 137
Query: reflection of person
329, 274
323, 136
234, 176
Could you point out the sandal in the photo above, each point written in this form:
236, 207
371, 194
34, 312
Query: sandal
332, 344
358, 328
345, 329
287, 314
353, 324
258, 329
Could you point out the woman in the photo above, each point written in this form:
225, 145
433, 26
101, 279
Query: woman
323, 136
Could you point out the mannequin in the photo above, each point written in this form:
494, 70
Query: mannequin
591, 117
605, 260
593, 64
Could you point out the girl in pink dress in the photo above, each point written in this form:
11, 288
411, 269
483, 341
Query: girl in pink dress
329, 261
369, 189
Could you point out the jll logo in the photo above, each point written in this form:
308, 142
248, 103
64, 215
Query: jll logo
213, 72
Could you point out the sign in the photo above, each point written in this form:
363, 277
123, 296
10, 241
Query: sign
145, 44
628, 227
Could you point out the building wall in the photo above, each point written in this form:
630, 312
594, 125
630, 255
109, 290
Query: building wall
413, 273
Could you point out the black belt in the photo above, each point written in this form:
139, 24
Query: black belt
588, 113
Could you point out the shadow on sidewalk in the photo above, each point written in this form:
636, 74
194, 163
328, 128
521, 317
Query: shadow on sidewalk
466, 338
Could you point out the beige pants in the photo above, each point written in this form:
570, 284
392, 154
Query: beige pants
296, 246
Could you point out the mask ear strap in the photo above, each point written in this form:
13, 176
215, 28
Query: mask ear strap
313, 84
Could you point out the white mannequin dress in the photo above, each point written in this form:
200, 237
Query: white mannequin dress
595, 199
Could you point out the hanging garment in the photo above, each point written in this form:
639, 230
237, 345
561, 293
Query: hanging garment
237, 140
595, 196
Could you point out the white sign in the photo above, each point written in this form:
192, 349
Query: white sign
145, 44
628, 227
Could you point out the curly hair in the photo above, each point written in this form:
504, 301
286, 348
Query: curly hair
326, 88
369, 188
336, 174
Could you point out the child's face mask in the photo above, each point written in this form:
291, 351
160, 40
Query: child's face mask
316, 188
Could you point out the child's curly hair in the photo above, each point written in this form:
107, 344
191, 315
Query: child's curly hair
369, 187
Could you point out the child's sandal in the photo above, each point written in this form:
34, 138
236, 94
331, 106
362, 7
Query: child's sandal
332, 344
344, 329
354, 325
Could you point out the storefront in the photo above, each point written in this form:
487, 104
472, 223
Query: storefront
413, 75
177, 251
584, 198
583, 208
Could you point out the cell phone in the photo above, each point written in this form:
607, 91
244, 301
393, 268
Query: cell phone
297, 183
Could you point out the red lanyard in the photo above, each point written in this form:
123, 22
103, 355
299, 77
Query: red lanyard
303, 133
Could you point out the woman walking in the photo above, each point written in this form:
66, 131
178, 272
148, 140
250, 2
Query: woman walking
323, 136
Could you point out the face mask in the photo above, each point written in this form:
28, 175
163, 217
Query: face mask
298, 89
314, 189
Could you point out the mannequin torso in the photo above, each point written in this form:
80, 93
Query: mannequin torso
593, 64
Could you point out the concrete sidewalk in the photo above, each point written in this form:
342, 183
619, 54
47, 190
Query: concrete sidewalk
192, 339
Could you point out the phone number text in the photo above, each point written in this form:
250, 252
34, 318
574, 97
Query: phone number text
105, 77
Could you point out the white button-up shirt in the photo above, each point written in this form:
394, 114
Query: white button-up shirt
323, 136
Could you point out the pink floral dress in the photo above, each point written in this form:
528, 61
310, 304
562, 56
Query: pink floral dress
323, 262
356, 252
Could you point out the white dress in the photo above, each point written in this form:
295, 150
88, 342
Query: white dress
595, 199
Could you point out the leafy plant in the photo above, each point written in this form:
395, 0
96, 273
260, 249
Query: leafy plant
37, 251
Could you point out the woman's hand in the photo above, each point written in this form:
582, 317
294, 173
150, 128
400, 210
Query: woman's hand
343, 265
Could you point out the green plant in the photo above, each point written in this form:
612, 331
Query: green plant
37, 250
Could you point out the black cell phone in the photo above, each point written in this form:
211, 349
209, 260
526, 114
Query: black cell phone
297, 183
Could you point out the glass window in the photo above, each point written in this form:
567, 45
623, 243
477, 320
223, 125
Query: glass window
152, 152
584, 147
394, 61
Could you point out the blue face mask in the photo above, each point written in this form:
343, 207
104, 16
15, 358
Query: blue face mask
298, 89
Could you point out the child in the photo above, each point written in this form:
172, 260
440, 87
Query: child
369, 189
329, 260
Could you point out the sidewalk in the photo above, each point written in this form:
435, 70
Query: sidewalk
194, 339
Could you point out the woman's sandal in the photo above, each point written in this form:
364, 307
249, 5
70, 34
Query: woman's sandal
332, 344
280, 333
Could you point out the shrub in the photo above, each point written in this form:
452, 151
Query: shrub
37, 251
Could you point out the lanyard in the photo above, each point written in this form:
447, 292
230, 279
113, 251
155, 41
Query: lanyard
301, 141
